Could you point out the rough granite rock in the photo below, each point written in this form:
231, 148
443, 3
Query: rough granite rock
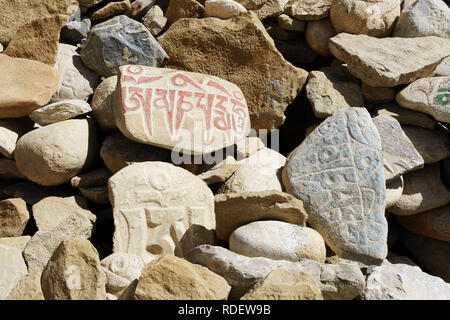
307, 10
317, 35
101, 104
10, 131
338, 173
223, 9
60, 111
14, 217
406, 116
179, 9
235, 210
275, 82
389, 62
28, 288
12, 267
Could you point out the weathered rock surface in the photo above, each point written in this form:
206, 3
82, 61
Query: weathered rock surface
309, 9
110, 10
10, 131
28, 288
218, 172
341, 281
406, 116
13, 269
14, 217
317, 35
154, 20
179, 9
60, 111
102, 102
338, 174
223, 9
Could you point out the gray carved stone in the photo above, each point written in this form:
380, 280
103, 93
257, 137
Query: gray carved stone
338, 174
398, 151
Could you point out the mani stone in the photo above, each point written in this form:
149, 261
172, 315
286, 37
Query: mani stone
75, 80
25, 85
12, 267
338, 173
235, 210
10, 131
279, 241
331, 89
154, 20
406, 116
17, 13
50, 212
118, 152
423, 18
28, 288
110, 10
317, 35
389, 62
282, 284
160, 210
433, 145
403, 282
60, 111
102, 102
286, 22
434, 223
179, 9
120, 41
375, 18
308, 10
398, 150
223, 9
74, 273
15, 242
377, 95
274, 81
172, 278
394, 191
53, 154
424, 190
428, 95
14, 217
183, 111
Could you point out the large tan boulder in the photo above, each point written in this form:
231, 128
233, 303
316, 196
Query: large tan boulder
14, 217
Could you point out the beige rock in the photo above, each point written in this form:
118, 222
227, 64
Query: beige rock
238, 209
75, 80
14, 217
60, 111
25, 85
223, 9
102, 102
15, 242
283, 284
265, 9
375, 18
443, 69
160, 210
17, 13
172, 278
10, 131
12, 267
50, 212
97, 177
183, 9
110, 10
38, 40
406, 116
308, 10
291, 24
74, 273
428, 95
377, 95
218, 172
28, 288
53, 154
394, 191
189, 128
342, 280
248, 146
154, 20
424, 190
97, 194
274, 82
118, 152
317, 35
279, 241
389, 62
331, 89
88, 3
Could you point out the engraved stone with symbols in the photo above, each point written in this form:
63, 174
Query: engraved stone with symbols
338, 174
160, 210
179, 110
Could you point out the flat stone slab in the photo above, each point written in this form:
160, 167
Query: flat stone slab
60, 111
173, 109
338, 174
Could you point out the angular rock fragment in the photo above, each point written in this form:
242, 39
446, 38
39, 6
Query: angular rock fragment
14, 217
60, 111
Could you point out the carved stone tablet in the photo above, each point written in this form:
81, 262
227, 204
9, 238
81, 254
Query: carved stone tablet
188, 111
338, 174
160, 210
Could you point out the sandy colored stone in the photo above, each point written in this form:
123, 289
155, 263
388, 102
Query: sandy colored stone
394, 191
428, 95
97, 194
268, 82
110, 10
279, 241
234, 210
317, 35
183, 9
28, 288
139, 7
289, 23
389, 62
248, 146
265, 8
443, 69
15, 242
60, 111
25, 85
341, 280
377, 95
406, 116
53, 154
102, 102
88, 3
332, 88
189, 128
17, 13
10, 131
75, 80
283, 284
308, 10
223, 9
38, 40
74, 273
14, 217
154, 20
218, 172
424, 190
12, 267
160, 210
433, 145
172, 278
375, 18
98, 177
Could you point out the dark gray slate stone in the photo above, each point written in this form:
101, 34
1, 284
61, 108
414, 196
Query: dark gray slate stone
338, 174
74, 31
121, 41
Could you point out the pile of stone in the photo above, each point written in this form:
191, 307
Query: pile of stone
224, 149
